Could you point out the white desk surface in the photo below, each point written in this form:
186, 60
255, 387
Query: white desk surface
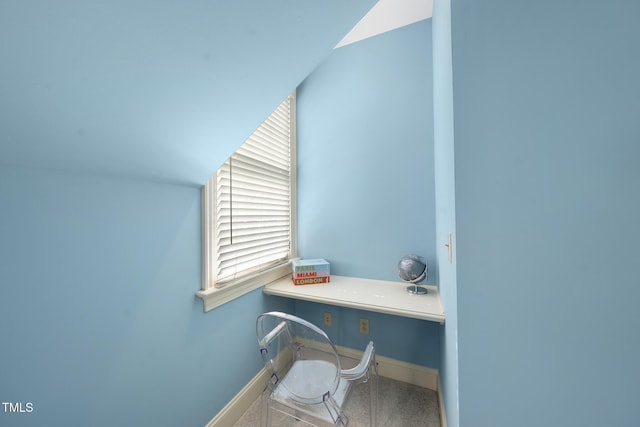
365, 294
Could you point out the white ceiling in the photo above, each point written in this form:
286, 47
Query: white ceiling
388, 15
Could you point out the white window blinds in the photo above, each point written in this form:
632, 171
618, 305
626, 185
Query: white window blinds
249, 200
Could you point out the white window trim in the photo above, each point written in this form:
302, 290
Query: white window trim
214, 297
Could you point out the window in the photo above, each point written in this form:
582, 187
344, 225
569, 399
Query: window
249, 216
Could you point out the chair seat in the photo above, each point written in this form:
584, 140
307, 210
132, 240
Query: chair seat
307, 380
302, 378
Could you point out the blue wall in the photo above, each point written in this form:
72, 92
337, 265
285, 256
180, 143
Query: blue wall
445, 201
410, 340
546, 150
365, 177
100, 323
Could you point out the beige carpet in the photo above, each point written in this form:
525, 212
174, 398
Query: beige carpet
399, 405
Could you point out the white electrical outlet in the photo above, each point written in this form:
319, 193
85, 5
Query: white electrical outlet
364, 326
327, 318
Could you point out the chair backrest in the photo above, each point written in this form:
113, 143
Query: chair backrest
292, 347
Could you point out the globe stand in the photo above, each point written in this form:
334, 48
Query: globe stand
417, 290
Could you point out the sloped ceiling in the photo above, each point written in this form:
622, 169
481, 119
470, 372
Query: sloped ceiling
388, 15
160, 89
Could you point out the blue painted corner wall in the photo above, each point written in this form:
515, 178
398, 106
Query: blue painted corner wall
444, 171
366, 181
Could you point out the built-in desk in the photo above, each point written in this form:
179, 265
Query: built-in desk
365, 294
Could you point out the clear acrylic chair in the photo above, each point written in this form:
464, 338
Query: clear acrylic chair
306, 380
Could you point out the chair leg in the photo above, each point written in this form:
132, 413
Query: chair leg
337, 414
265, 419
373, 393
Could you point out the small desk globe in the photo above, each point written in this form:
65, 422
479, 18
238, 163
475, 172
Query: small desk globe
413, 269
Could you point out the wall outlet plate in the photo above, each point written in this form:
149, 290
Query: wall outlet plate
364, 326
327, 318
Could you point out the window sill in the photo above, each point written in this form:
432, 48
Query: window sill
215, 297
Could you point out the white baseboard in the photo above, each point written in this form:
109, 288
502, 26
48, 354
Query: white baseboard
241, 402
443, 412
421, 376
